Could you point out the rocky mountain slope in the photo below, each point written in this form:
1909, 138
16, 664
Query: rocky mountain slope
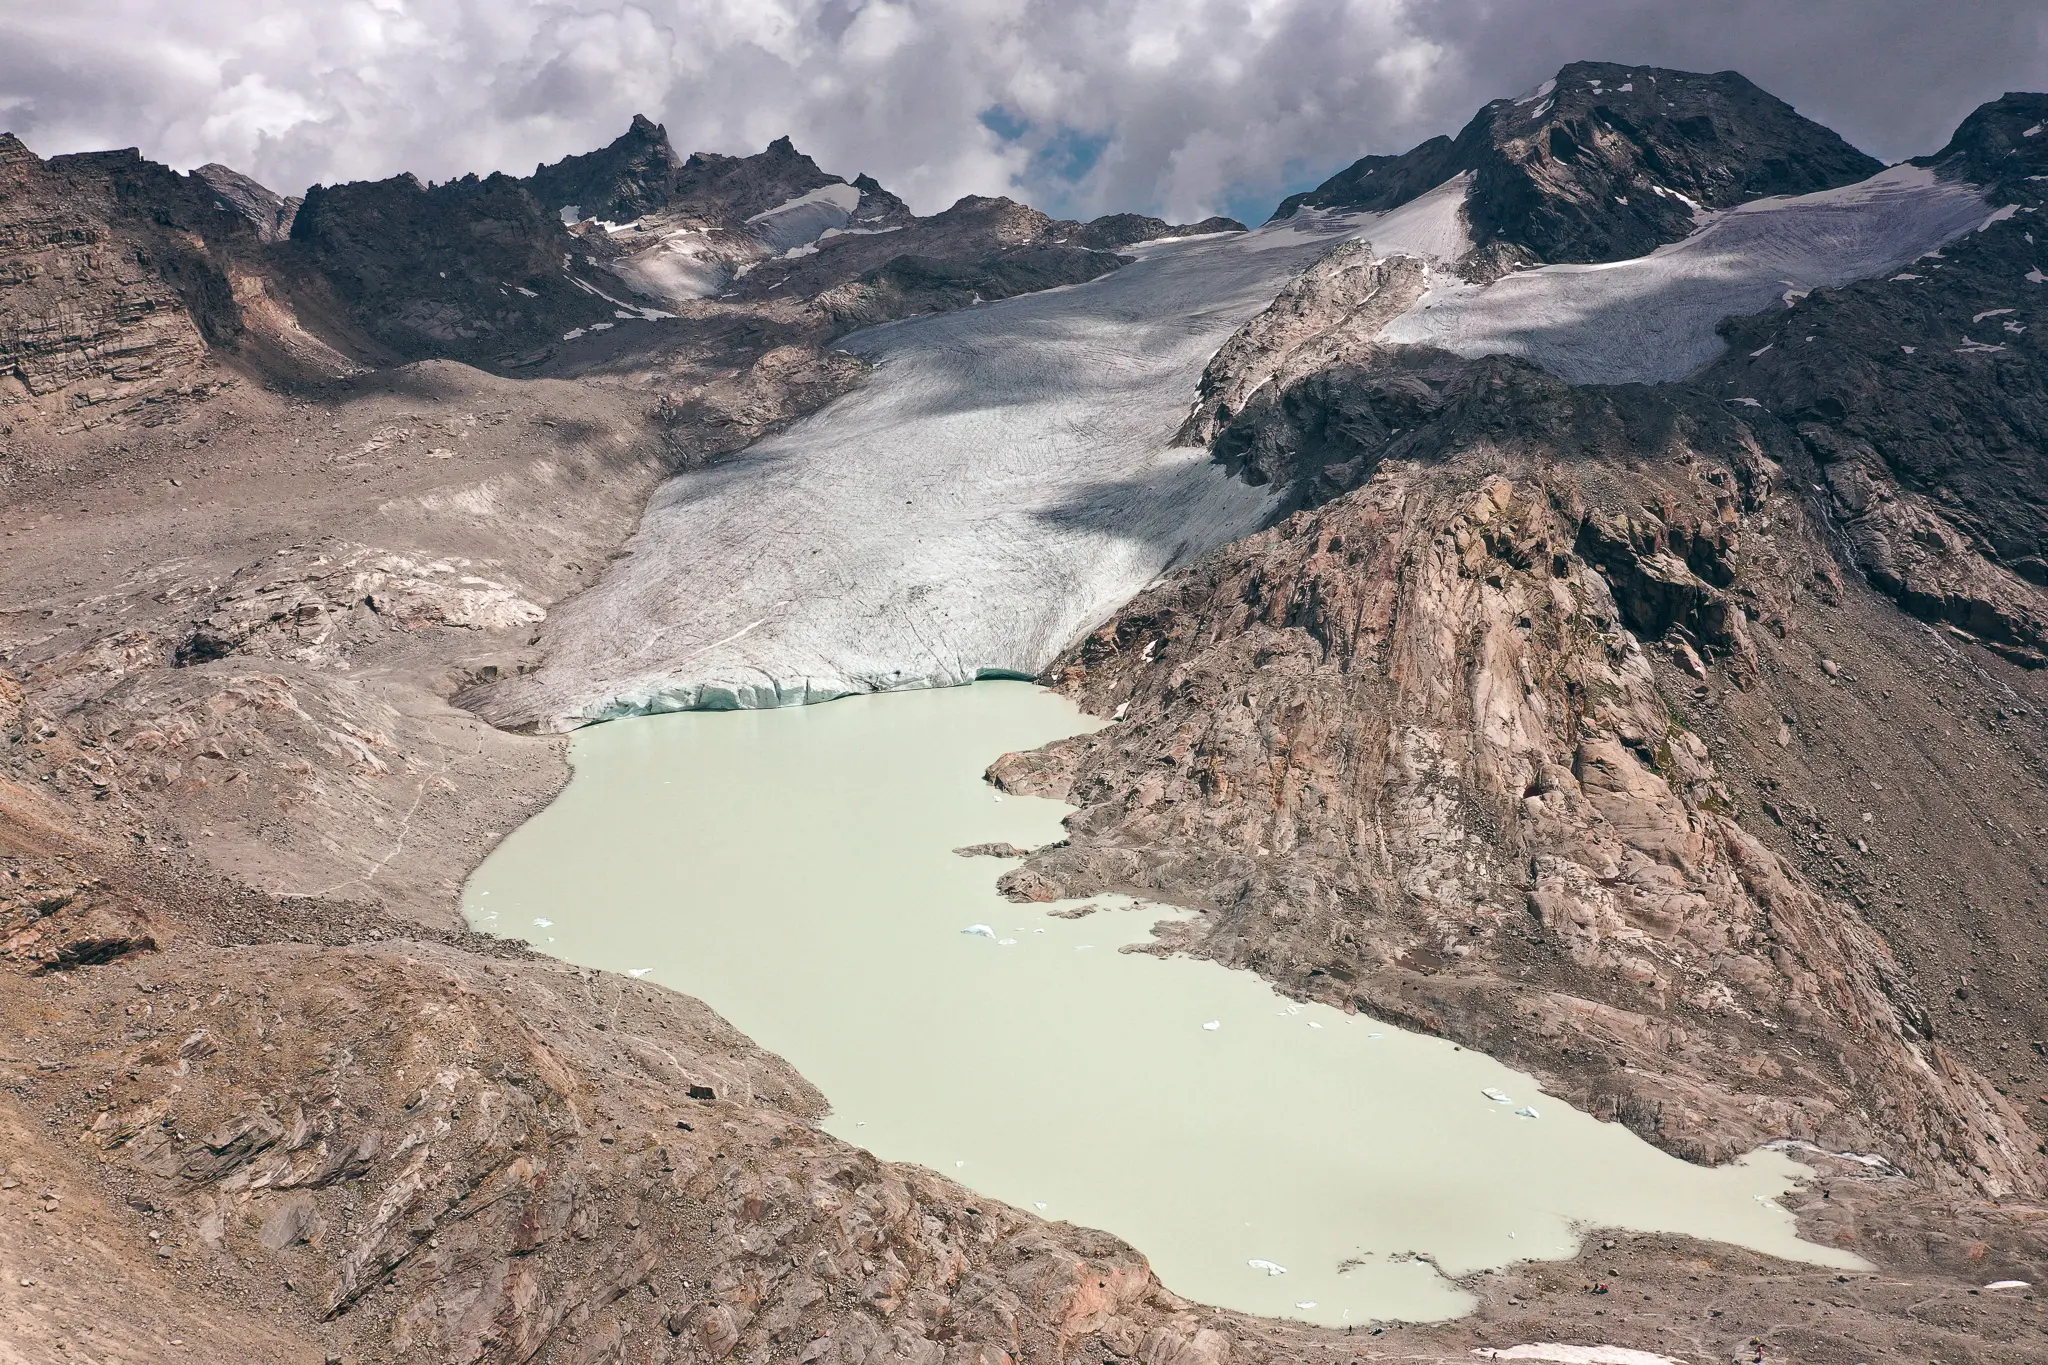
1680, 743
1499, 731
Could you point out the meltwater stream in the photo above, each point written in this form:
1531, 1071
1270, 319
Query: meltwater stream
793, 869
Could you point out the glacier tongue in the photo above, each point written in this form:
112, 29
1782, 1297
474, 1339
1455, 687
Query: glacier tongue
1000, 483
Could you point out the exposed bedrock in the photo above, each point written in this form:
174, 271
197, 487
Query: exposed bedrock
1439, 750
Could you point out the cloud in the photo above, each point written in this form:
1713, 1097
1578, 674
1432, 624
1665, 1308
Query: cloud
1080, 106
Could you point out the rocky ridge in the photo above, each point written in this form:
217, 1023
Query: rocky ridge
1604, 162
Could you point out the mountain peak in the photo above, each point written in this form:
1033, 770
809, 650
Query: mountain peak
633, 174
1606, 161
2001, 144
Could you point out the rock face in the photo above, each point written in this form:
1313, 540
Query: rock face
471, 268
1605, 162
1415, 753
1920, 399
636, 174
269, 212
1999, 145
1127, 229
111, 282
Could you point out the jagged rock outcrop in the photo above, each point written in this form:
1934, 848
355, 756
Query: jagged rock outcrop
1332, 310
2002, 144
473, 268
635, 174
110, 289
1605, 162
268, 211
1113, 230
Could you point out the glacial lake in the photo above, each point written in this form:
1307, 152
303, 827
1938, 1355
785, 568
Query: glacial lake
794, 869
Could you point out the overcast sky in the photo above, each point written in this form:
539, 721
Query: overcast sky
1079, 106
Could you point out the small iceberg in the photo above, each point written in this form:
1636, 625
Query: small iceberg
1213, 1025
1527, 1112
1496, 1096
637, 972
543, 924
982, 929
1269, 1267
1310, 1304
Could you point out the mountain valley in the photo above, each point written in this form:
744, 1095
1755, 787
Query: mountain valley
1578, 589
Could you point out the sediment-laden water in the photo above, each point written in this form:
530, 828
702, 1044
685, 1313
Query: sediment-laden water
793, 868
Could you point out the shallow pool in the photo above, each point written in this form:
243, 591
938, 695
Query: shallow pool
794, 869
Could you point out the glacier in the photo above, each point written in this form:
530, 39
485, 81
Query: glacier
1006, 478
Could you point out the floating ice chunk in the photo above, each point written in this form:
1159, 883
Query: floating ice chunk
543, 924
637, 972
958, 1164
982, 929
1496, 1096
999, 796
1375, 1035
1082, 947
1005, 942
1267, 1266
1309, 1304
1313, 1024
1213, 1025
1038, 1203
1527, 1112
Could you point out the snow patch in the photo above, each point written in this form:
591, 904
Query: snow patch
1559, 1354
800, 221
1653, 318
1538, 93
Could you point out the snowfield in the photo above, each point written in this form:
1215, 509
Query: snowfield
1653, 318
1004, 479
